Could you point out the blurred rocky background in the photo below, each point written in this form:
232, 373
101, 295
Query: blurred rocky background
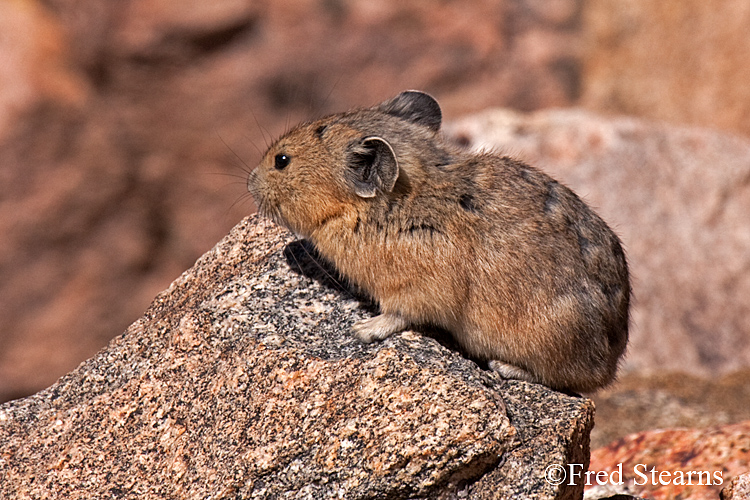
126, 129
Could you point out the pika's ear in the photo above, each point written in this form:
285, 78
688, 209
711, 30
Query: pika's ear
372, 166
415, 106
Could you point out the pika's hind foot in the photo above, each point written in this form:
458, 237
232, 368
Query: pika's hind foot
509, 371
379, 327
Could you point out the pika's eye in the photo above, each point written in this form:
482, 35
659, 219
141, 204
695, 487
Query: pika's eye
280, 161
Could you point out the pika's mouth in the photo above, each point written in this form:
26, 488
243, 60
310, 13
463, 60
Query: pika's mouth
252, 183
261, 200
266, 207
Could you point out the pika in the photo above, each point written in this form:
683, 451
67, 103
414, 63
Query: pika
520, 271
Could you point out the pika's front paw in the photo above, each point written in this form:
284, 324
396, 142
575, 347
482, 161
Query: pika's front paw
378, 327
508, 371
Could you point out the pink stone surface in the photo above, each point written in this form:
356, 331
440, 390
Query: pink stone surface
675, 453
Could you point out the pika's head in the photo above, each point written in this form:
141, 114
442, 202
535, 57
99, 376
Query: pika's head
321, 170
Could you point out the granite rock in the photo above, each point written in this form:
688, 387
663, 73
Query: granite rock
679, 198
690, 464
242, 380
738, 489
610, 493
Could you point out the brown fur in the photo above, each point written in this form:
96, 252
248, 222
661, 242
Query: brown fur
519, 270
